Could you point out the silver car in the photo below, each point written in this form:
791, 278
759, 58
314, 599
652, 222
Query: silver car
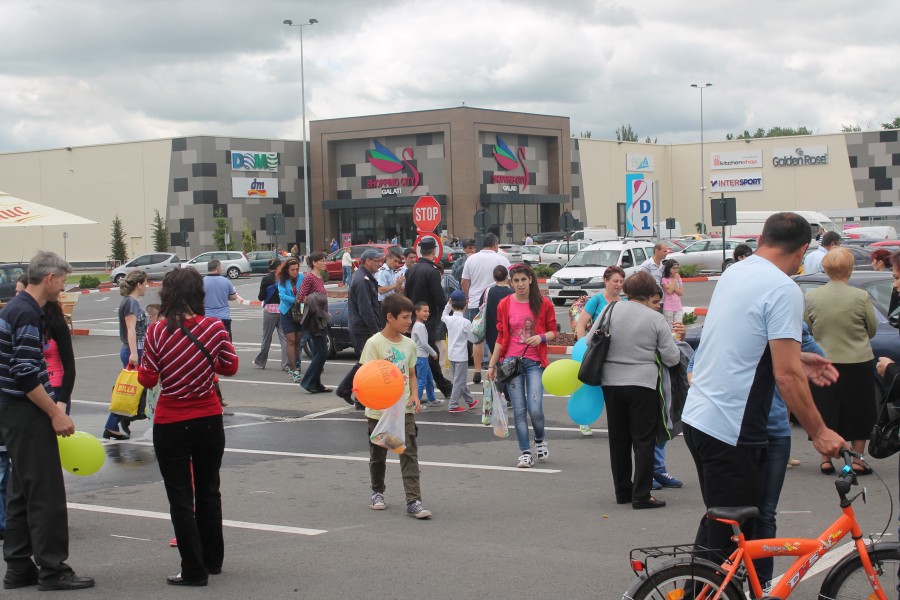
707, 254
155, 265
512, 253
234, 264
557, 254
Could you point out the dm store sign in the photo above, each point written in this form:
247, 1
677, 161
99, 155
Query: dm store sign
257, 187
242, 160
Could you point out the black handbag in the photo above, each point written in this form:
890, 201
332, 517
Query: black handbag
297, 313
510, 368
591, 370
884, 441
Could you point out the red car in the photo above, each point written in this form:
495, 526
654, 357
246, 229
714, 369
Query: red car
334, 266
887, 244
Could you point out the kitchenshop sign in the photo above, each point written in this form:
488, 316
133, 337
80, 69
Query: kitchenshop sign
800, 157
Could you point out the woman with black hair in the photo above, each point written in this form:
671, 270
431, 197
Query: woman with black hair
526, 323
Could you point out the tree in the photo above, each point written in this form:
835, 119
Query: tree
626, 134
223, 227
649, 141
776, 131
895, 124
160, 234
248, 237
850, 128
700, 227
118, 250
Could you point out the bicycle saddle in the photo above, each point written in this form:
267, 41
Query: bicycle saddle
733, 513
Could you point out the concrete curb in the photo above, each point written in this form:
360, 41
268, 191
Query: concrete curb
700, 279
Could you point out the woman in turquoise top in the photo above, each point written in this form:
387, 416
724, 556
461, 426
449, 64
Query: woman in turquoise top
289, 280
613, 279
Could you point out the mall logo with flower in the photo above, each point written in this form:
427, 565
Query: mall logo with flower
387, 162
509, 161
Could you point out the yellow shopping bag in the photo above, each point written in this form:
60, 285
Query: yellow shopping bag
126, 394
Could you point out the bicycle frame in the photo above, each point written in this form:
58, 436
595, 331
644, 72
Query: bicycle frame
807, 550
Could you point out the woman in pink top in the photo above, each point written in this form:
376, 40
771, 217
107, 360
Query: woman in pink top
673, 289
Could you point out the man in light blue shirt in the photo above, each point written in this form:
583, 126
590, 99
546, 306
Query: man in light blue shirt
218, 292
813, 263
388, 276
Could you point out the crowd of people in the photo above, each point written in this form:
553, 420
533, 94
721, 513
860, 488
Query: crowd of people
795, 356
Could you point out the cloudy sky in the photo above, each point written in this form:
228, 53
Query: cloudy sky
77, 72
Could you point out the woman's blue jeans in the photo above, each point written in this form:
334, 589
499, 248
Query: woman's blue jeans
526, 392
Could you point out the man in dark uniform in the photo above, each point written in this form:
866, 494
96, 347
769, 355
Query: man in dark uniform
423, 284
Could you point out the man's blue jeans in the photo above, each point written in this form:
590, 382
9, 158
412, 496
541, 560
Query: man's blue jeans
4, 482
776, 466
526, 392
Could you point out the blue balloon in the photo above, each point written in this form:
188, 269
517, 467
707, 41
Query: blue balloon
579, 349
586, 404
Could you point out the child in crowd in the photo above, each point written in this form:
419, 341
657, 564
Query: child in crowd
391, 344
674, 290
661, 476
458, 330
153, 316
423, 351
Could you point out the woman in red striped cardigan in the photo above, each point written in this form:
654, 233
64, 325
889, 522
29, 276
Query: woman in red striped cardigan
184, 353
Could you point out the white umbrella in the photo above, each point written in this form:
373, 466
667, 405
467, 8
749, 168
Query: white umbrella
15, 212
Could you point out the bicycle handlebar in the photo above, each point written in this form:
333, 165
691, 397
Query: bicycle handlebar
847, 478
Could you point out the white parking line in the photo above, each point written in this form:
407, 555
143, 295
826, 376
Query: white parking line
147, 514
96, 356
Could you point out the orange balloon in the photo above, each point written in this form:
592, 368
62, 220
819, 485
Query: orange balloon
378, 384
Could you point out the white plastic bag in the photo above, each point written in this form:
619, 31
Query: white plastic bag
390, 432
499, 419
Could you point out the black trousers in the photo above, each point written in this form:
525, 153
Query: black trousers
189, 454
632, 415
37, 521
729, 476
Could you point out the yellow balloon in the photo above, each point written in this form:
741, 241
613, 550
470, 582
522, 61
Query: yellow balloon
561, 377
81, 453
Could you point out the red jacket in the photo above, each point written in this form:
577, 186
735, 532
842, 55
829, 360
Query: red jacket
546, 321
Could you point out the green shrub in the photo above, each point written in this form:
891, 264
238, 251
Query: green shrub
688, 270
542, 270
88, 281
689, 318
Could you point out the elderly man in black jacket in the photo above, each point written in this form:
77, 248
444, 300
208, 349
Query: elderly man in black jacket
363, 313
423, 284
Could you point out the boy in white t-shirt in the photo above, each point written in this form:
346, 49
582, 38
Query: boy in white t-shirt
458, 330
423, 351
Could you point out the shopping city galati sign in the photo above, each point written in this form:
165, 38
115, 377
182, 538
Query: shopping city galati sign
800, 157
745, 182
736, 160
255, 187
510, 162
387, 162
248, 160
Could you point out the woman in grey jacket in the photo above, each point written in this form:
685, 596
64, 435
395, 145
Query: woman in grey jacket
630, 385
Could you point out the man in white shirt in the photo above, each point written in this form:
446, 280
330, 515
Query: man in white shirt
813, 262
653, 265
477, 276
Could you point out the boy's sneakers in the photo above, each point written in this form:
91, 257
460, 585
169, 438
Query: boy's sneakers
543, 452
296, 377
473, 403
666, 480
525, 461
586, 430
436, 402
377, 501
415, 509
456, 409
476, 379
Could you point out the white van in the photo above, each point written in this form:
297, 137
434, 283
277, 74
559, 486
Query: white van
584, 273
592, 234
662, 232
877, 232
750, 223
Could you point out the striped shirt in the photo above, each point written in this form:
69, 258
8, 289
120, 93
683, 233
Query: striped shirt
181, 368
22, 364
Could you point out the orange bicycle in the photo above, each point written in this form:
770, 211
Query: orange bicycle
870, 570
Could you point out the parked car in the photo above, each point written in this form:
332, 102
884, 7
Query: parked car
531, 254
333, 260
155, 265
877, 284
234, 264
259, 260
674, 245
338, 337
450, 256
512, 252
892, 245
584, 273
861, 257
707, 254
9, 273
557, 254
548, 236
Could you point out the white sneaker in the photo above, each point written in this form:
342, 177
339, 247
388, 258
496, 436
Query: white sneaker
415, 509
377, 501
525, 461
586, 430
543, 452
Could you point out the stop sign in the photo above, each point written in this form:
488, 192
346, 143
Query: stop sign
427, 213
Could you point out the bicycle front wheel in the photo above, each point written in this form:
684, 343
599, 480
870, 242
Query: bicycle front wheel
675, 582
849, 579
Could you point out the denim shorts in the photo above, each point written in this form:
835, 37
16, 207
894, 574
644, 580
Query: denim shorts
288, 325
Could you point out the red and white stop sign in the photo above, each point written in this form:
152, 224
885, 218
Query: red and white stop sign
427, 213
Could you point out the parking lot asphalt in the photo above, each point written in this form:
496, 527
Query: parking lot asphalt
296, 491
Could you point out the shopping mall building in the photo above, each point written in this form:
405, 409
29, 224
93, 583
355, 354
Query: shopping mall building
366, 173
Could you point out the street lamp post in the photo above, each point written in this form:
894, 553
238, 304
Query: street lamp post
306, 178
702, 158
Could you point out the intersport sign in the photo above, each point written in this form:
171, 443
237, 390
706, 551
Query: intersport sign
800, 157
745, 182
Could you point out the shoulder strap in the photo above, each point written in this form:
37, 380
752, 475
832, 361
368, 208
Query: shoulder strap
197, 343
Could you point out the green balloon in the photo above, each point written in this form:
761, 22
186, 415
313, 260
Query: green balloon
561, 377
81, 453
